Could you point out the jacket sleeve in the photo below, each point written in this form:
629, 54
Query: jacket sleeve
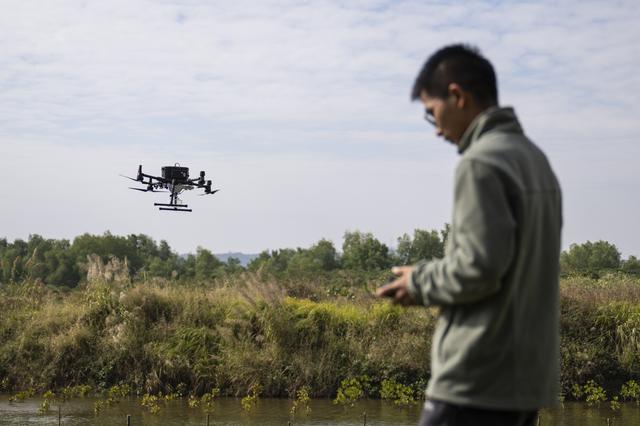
483, 242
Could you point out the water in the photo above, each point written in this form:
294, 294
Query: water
268, 412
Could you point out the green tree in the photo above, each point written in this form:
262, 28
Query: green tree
322, 256
444, 234
274, 262
207, 265
108, 245
157, 267
259, 262
13, 261
4, 244
164, 251
60, 264
187, 266
233, 265
590, 258
144, 247
423, 245
34, 265
631, 265
362, 251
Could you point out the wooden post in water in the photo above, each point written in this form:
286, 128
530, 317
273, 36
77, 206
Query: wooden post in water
364, 416
128, 419
59, 416
608, 422
207, 419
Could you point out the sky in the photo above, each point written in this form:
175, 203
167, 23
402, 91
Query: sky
299, 111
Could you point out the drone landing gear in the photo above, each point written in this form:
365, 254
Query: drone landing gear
173, 207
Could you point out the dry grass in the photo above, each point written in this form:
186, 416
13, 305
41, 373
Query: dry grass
610, 288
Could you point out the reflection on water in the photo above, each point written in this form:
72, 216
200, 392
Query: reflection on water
228, 411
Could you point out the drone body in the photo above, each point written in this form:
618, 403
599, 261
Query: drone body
174, 179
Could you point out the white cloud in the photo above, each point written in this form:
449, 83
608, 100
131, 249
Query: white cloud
318, 90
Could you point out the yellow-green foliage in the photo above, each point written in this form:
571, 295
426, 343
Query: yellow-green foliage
207, 401
614, 404
151, 403
48, 397
74, 391
22, 395
112, 396
577, 391
397, 392
98, 406
351, 390
119, 391
251, 400
193, 402
630, 391
594, 393
301, 402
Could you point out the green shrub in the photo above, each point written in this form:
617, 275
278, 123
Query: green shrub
630, 391
398, 393
350, 391
594, 393
301, 402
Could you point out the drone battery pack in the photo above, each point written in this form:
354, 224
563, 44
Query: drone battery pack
175, 173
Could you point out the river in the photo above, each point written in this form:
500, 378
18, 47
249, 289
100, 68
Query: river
267, 412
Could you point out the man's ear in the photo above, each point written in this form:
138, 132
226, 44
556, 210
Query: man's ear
459, 95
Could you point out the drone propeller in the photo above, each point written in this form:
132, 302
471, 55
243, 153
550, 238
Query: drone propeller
129, 177
210, 192
146, 190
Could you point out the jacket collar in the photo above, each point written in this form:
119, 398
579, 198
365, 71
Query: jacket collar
502, 118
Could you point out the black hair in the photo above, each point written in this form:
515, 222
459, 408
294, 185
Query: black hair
461, 64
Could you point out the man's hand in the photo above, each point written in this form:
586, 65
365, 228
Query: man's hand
397, 289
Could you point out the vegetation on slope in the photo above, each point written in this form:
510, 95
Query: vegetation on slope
149, 319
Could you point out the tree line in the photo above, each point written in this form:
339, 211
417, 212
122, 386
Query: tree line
64, 262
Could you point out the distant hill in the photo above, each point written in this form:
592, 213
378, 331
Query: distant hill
244, 258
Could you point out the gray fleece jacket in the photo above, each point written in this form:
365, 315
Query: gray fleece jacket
496, 342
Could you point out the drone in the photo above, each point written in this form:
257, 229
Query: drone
174, 180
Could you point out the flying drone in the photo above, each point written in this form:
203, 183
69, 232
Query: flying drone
174, 180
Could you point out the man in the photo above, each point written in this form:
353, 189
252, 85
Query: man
495, 349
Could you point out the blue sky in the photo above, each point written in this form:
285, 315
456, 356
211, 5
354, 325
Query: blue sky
300, 113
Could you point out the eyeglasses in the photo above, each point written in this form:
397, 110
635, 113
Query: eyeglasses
429, 118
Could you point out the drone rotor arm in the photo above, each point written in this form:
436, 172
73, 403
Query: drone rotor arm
152, 178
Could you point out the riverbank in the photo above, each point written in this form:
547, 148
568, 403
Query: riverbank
277, 412
250, 332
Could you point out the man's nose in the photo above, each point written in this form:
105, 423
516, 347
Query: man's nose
439, 132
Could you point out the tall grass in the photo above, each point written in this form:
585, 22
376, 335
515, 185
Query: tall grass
248, 330
600, 321
231, 335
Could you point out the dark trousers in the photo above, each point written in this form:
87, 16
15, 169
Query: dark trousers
438, 413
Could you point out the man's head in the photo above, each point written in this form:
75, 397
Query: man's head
455, 85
